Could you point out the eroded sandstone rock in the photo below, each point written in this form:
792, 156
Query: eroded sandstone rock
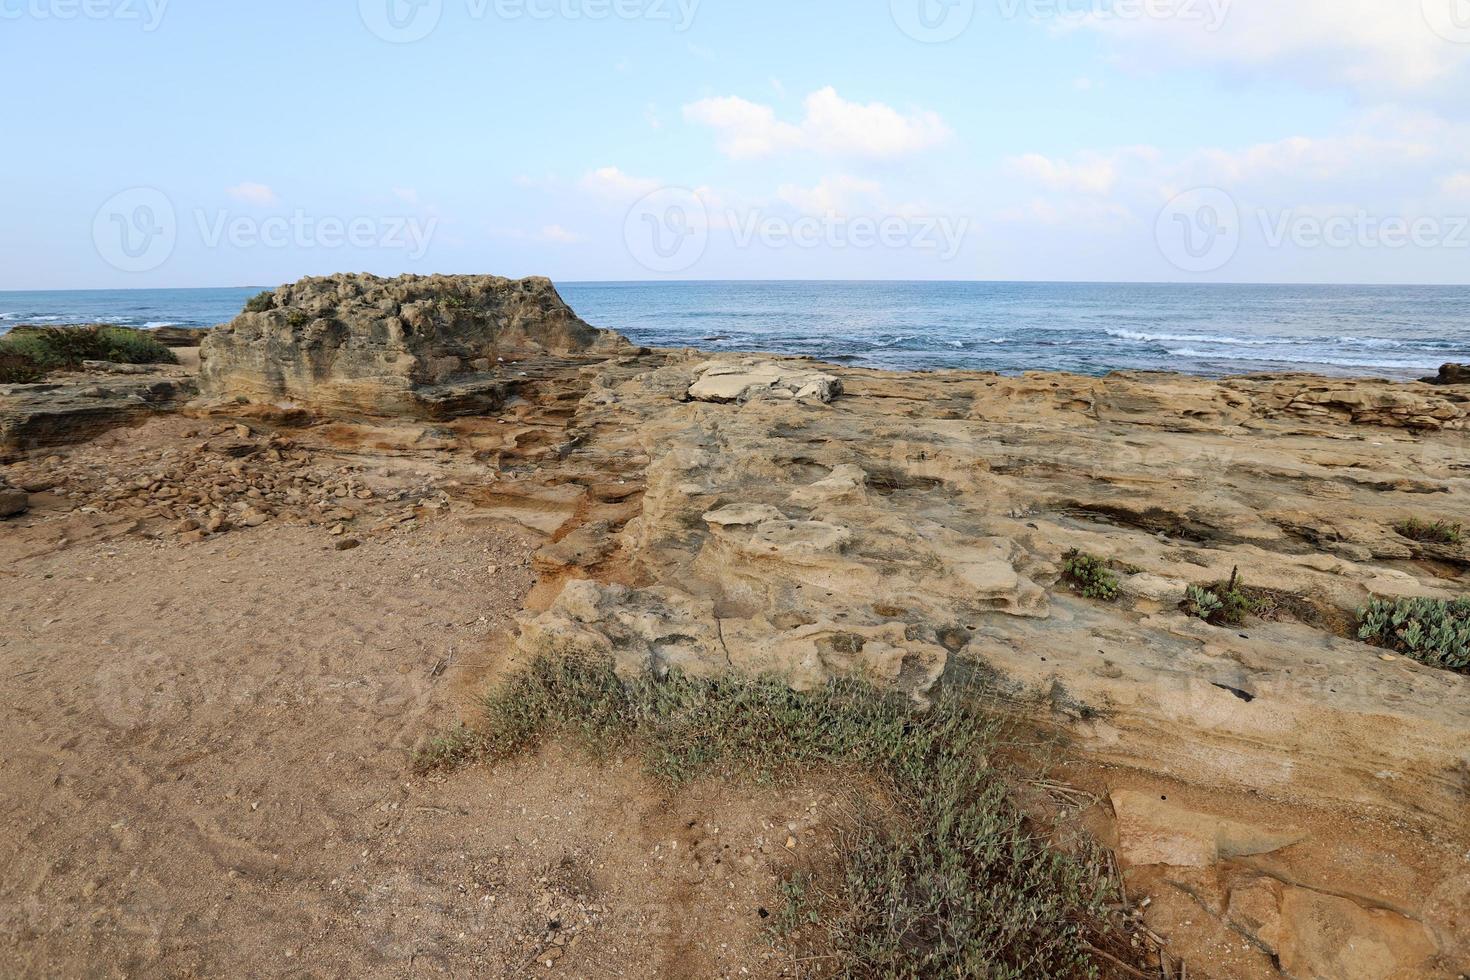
74, 409
13, 501
743, 380
431, 346
1451, 374
1152, 830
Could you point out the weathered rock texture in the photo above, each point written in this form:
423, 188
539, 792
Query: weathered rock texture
913, 529
1452, 374
13, 501
76, 407
724, 382
356, 344
1302, 791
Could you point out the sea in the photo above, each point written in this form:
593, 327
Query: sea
1210, 330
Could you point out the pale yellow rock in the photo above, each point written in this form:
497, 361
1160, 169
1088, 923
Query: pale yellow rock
1153, 831
1323, 937
744, 380
743, 515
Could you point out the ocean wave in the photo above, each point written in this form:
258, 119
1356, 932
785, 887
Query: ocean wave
155, 324
1219, 357
1374, 342
1181, 338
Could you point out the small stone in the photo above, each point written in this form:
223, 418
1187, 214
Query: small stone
347, 544
243, 431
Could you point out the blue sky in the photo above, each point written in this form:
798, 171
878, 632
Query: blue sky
192, 143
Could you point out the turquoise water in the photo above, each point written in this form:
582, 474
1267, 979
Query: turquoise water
1392, 331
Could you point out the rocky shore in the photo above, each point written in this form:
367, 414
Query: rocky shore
1291, 799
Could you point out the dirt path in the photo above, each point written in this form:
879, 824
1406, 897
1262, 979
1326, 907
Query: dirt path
205, 773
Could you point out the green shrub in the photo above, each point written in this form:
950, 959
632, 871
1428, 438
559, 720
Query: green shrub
1433, 532
947, 878
1225, 604
19, 369
1202, 603
1089, 575
124, 346
261, 302
298, 318
64, 348
1433, 631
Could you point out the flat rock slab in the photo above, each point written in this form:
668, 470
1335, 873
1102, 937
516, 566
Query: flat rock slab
37, 416
743, 381
1153, 831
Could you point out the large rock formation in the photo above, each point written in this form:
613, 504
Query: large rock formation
430, 346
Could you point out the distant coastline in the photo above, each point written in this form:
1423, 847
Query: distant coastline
1398, 332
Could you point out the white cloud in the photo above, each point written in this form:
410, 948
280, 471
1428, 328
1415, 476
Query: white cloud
560, 236
873, 130
1071, 213
1365, 44
1378, 147
612, 184
832, 195
1456, 186
256, 195
831, 125
407, 195
746, 128
1383, 162
1091, 175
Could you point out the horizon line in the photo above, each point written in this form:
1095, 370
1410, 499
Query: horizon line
696, 282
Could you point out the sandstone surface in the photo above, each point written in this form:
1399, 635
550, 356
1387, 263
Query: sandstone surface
1304, 792
70, 408
13, 500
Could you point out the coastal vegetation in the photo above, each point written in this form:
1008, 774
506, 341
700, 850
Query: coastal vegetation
1090, 576
65, 348
1432, 631
1431, 532
1224, 604
942, 872
260, 302
19, 369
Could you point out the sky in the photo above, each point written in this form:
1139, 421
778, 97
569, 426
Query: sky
154, 143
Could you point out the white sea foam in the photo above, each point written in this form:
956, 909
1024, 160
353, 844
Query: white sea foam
1301, 358
1184, 338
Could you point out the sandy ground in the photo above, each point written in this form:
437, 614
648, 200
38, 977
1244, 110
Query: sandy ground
206, 772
